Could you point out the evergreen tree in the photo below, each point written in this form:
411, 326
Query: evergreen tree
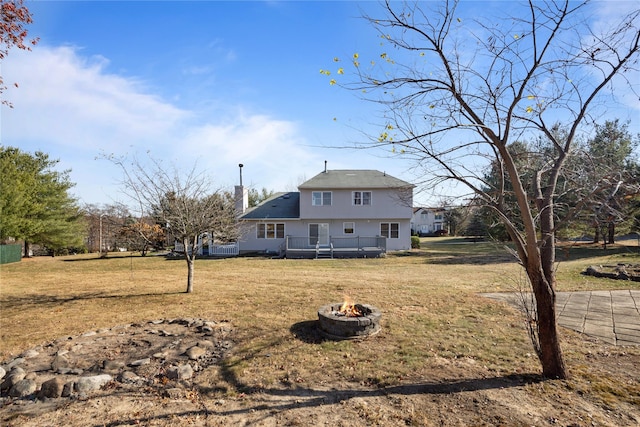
35, 205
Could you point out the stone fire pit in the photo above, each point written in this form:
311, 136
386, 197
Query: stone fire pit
334, 324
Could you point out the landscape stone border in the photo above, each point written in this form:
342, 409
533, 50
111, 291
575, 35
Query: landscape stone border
164, 354
617, 272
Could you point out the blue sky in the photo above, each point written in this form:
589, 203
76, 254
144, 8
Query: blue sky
212, 82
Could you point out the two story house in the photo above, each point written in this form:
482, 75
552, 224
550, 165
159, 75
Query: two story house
337, 213
428, 221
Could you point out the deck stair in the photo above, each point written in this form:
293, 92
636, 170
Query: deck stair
324, 252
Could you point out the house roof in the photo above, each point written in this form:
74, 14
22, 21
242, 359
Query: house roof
356, 179
279, 206
417, 209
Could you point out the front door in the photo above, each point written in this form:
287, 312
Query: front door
319, 233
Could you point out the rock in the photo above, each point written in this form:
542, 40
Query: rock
68, 389
112, 365
195, 352
181, 372
52, 389
592, 270
23, 388
15, 375
140, 362
87, 384
59, 362
15, 362
89, 334
2, 372
30, 354
129, 377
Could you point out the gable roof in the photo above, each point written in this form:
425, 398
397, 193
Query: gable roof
279, 206
353, 178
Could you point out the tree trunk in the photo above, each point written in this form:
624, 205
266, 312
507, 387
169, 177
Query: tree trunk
611, 231
189, 275
550, 352
596, 233
27, 249
543, 281
190, 258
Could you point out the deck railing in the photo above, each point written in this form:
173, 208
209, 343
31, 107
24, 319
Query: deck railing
354, 243
227, 249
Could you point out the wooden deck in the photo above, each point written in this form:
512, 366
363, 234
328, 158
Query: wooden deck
338, 247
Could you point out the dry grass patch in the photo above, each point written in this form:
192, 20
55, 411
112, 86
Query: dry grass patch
445, 354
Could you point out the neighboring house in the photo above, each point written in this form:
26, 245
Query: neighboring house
428, 221
337, 213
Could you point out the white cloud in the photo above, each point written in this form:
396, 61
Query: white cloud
66, 99
68, 106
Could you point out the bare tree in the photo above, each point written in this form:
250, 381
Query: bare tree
104, 225
457, 93
182, 200
142, 235
14, 18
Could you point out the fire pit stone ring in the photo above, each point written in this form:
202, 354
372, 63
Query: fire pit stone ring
340, 327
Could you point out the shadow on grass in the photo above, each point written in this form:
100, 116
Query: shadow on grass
306, 397
307, 332
49, 300
109, 257
580, 251
458, 258
497, 253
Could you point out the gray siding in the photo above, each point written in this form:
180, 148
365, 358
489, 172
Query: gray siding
385, 203
363, 227
391, 202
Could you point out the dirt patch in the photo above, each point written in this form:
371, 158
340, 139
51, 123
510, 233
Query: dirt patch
140, 357
160, 358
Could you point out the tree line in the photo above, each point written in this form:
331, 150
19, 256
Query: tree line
598, 195
37, 208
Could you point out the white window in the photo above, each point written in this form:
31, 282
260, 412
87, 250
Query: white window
321, 198
390, 230
362, 198
424, 215
348, 227
438, 216
270, 230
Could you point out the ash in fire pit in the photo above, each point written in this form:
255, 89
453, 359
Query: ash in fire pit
348, 321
